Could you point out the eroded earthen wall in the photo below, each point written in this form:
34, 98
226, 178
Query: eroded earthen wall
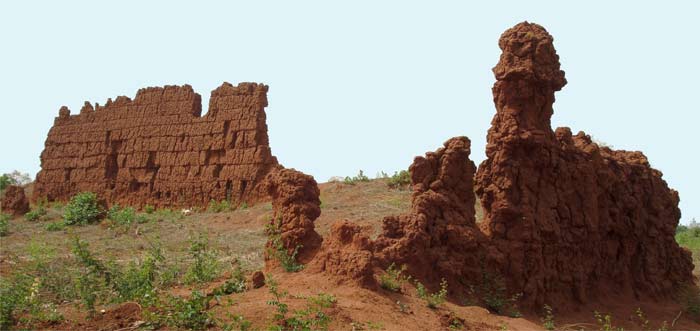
157, 148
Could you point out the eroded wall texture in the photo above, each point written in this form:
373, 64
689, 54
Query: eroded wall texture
157, 149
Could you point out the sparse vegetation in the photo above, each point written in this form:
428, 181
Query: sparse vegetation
55, 226
360, 178
312, 317
491, 292
689, 298
82, 209
36, 214
205, 266
400, 180
605, 322
148, 209
4, 224
432, 300
219, 207
288, 260
393, 278
548, 318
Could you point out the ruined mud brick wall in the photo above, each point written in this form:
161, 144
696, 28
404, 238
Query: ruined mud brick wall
157, 149
566, 221
569, 220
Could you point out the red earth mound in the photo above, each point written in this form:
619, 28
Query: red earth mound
295, 205
14, 201
566, 221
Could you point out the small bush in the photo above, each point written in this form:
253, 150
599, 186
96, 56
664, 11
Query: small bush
82, 209
393, 278
205, 266
55, 226
357, 179
35, 214
4, 224
287, 260
219, 207
689, 297
433, 300
237, 284
122, 216
148, 209
399, 180
13, 295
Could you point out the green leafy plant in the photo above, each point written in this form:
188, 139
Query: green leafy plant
288, 260
35, 214
205, 266
432, 300
82, 209
548, 318
219, 207
491, 291
4, 224
361, 177
5, 181
236, 284
393, 278
13, 294
400, 179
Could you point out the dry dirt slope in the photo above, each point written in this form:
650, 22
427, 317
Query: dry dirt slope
239, 235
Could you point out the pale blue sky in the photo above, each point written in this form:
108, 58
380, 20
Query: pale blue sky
365, 84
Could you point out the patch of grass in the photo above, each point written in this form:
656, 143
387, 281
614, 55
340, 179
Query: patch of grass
205, 266
287, 259
393, 278
432, 300
359, 178
689, 298
219, 207
82, 209
400, 180
55, 226
4, 224
35, 214
121, 216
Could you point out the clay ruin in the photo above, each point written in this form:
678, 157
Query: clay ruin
566, 221
157, 149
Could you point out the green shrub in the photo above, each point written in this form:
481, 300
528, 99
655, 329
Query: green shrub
55, 226
393, 278
13, 295
148, 209
276, 249
399, 180
4, 224
82, 209
492, 293
35, 214
689, 298
357, 179
433, 300
121, 216
219, 207
205, 266
237, 284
